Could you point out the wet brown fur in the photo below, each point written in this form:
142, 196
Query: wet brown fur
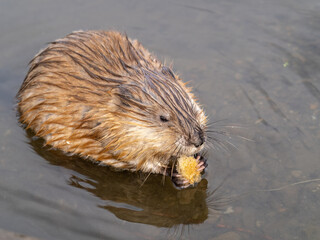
99, 94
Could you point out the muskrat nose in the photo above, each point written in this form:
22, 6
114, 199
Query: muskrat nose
199, 139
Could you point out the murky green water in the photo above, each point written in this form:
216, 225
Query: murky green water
254, 63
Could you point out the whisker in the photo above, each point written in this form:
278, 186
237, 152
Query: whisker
219, 143
229, 125
211, 145
177, 145
244, 138
215, 122
172, 167
223, 132
232, 126
229, 134
164, 175
145, 179
231, 144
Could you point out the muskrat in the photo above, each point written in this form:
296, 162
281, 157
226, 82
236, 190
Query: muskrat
103, 96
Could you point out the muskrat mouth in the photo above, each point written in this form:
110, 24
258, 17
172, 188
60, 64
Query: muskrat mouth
196, 155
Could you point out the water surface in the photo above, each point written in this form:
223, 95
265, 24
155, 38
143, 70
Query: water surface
254, 65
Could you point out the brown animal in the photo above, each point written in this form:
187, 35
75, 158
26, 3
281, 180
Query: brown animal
103, 96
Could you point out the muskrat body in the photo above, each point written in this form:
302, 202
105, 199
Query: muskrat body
103, 96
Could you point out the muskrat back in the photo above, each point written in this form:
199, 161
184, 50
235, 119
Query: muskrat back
103, 96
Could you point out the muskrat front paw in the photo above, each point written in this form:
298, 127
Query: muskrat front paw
202, 162
188, 170
179, 181
176, 178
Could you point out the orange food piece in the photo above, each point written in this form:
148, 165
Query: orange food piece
188, 168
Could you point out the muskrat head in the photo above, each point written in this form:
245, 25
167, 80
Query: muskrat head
160, 113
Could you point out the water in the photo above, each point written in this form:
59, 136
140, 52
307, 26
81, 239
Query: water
254, 63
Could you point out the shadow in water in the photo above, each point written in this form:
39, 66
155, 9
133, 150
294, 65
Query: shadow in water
130, 196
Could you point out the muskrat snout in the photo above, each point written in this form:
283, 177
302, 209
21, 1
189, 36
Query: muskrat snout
198, 138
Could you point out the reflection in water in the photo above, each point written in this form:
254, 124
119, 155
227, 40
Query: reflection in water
131, 197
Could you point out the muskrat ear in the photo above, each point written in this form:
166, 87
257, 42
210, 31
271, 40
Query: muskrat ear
125, 93
125, 96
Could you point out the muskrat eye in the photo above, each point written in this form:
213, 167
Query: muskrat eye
164, 119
